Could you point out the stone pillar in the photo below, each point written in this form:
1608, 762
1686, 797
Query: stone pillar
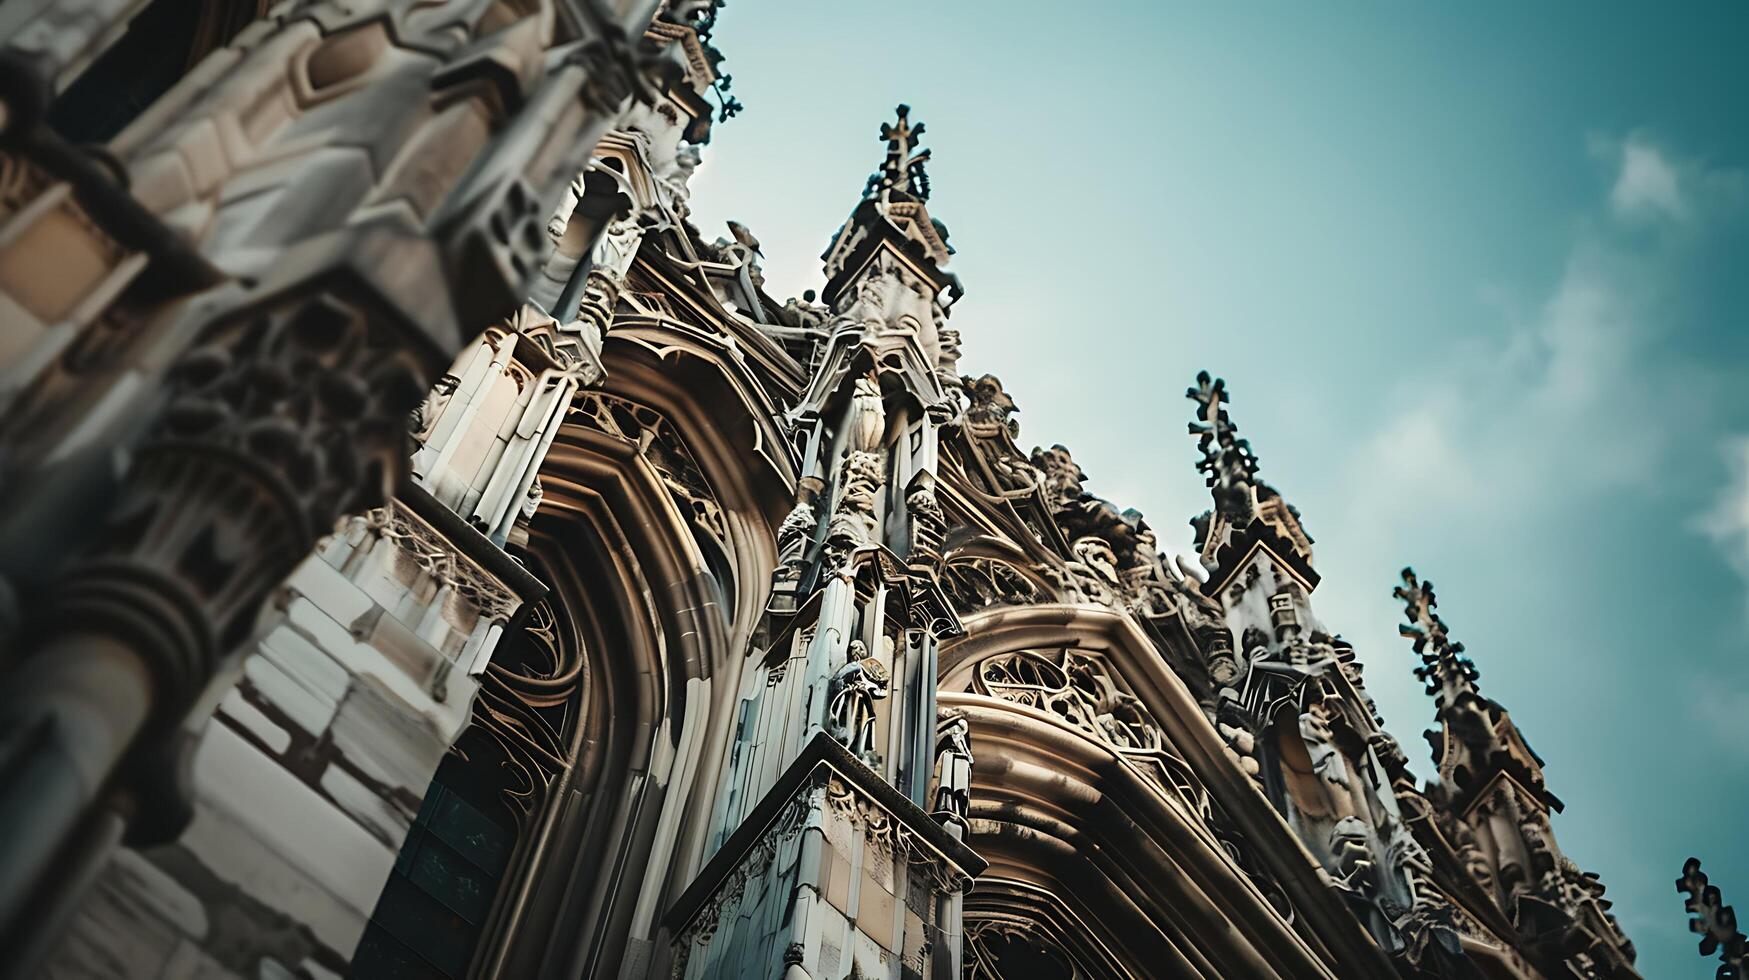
286, 400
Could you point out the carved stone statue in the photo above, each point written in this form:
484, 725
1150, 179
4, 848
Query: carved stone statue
792, 539
1327, 760
531, 500
947, 364
990, 405
953, 770
561, 216
855, 688
868, 416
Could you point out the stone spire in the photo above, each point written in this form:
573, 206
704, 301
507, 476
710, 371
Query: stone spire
1227, 460
1245, 506
1497, 806
846, 656
892, 223
1477, 740
902, 174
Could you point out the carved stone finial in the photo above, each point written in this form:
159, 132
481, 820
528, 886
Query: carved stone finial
902, 171
1444, 668
1227, 460
1715, 921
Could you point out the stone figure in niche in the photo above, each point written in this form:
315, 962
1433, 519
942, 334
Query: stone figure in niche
793, 536
1475, 860
531, 501
855, 689
868, 416
561, 218
1327, 760
1539, 845
953, 770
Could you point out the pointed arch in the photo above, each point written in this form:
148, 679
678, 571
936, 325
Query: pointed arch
1182, 871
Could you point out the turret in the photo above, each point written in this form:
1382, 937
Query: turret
841, 731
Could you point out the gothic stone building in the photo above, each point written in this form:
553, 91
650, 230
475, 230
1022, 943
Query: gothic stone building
426, 556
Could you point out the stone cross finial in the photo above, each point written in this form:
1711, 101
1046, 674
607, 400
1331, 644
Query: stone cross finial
1227, 460
1442, 661
903, 169
1715, 921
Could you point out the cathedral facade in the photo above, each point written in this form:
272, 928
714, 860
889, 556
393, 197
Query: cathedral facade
425, 555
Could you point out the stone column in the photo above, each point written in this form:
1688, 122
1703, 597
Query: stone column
286, 403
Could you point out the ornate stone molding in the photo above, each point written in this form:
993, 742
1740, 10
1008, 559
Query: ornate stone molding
435, 555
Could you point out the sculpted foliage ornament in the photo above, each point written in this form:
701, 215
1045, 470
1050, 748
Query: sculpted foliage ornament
277, 423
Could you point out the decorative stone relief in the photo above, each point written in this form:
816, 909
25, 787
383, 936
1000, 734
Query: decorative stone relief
439, 559
1080, 691
977, 583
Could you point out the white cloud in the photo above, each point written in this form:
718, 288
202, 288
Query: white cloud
1723, 708
1580, 398
1578, 395
1727, 522
1647, 184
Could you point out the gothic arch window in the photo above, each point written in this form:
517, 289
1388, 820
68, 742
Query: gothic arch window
469, 839
435, 906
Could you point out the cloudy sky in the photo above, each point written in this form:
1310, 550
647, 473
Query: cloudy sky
1477, 276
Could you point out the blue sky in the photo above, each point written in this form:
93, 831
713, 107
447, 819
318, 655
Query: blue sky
1477, 276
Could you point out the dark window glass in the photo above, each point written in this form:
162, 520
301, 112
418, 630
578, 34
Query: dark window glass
140, 66
381, 956
457, 823
428, 921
